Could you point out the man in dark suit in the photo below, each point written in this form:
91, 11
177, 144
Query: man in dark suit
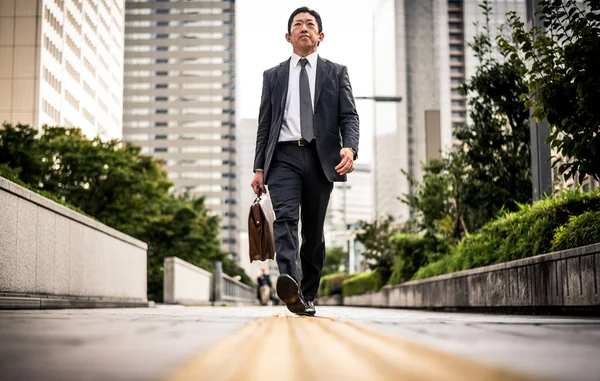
307, 139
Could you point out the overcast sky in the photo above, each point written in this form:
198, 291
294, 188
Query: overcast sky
260, 38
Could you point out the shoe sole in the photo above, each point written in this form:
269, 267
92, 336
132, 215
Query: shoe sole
287, 290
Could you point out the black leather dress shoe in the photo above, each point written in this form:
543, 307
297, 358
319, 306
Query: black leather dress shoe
289, 292
310, 308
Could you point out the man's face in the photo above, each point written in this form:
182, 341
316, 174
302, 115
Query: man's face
304, 34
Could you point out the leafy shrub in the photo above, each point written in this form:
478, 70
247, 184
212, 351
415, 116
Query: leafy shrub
413, 251
361, 283
579, 231
525, 233
332, 284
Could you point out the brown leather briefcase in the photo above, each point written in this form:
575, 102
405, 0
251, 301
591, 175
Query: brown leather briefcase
260, 236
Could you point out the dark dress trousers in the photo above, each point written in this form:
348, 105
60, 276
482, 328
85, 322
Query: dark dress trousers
300, 179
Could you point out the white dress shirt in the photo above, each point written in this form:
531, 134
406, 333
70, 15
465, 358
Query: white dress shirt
290, 129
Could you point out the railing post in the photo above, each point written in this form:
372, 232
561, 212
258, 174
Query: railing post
218, 282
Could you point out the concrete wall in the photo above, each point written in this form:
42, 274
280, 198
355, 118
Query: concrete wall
332, 300
565, 280
51, 256
186, 284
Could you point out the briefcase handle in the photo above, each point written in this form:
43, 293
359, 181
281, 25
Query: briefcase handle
258, 196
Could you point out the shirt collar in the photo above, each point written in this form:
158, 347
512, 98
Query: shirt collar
312, 59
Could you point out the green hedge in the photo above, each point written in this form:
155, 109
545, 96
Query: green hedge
412, 251
332, 284
525, 233
361, 283
579, 231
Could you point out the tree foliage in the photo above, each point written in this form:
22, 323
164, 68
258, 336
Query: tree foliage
121, 188
334, 259
489, 170
379, 252
561, 65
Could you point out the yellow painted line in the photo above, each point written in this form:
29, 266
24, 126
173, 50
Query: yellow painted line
295, 348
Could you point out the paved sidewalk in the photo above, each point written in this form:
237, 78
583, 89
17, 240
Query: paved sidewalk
157, 343
111, 344
566, 348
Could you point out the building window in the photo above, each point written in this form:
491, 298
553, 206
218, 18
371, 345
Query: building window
72, 100
88, 115
52, 80
455, 26
72, 71
73, 21
52, 49
50, 111
53, 21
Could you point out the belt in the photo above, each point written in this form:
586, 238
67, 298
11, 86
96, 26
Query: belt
300, 142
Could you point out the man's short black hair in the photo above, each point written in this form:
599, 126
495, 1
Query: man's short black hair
312, 12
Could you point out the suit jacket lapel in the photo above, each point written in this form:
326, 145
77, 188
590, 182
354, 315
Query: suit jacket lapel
283, 74
322, 72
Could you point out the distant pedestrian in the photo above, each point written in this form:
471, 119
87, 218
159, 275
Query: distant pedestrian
264, 288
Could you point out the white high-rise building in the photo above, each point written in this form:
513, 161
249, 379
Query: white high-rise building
179, 101
61, 63
421, 53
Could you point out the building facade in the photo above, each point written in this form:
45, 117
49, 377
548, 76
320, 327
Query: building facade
421, 53
61, 63
179, 97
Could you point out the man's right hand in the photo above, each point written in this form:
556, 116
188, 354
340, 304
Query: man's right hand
258, 184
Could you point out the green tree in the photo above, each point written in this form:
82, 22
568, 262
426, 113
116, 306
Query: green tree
561, 65
20, 153
379, 252
185, 229
438, 200
106, 179
334, 259
113, 183
490, 168
495, 146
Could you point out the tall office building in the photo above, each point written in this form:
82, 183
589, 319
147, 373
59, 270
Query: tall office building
61, 63
421, 53
180, 97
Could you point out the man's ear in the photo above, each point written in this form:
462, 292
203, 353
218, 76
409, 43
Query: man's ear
288, 37
321, 36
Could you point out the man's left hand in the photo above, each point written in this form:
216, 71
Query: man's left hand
347, 164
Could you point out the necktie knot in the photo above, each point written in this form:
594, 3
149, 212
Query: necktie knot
303, 62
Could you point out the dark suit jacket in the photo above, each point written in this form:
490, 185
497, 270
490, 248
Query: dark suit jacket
335, 116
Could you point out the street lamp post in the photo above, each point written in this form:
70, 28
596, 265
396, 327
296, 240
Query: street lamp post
375, 99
